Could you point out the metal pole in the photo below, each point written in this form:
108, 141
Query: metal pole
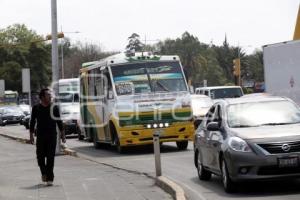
62, 57
157, 152
55, 69
29, 93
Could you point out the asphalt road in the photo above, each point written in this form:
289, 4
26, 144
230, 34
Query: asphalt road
178, 166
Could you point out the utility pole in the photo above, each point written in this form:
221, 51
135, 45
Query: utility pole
62, 57
55, 70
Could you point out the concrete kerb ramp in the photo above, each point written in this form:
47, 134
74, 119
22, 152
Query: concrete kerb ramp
170, 187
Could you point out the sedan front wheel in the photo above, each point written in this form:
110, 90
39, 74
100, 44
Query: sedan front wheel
203, 174
228, 184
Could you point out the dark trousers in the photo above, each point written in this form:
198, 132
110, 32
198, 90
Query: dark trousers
45, 152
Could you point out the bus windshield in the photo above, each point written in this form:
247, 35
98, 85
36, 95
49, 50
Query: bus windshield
68, 85
68, 97
150, 77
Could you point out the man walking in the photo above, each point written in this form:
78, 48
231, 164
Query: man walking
46, 116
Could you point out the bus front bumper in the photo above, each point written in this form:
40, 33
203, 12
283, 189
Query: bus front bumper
176, 132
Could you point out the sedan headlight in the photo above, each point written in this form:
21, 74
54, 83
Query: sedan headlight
238, 144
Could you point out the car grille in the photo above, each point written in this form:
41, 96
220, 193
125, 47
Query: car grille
11, 118
276, 147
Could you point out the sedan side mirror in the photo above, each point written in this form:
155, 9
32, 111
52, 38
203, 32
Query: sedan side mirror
213, 126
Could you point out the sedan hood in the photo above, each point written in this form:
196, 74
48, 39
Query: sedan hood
262, 132
15, 114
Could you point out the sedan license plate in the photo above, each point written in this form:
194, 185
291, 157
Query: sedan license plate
288, 162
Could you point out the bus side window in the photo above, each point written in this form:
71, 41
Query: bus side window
206, 93
76, 97
91, 84
99, 84
108, 84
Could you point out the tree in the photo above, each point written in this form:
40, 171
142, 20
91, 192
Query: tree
134, 43
81, 53
197, 58
11, 72
20, 48
225, 55
254, 66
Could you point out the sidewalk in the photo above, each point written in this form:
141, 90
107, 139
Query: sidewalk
75, 178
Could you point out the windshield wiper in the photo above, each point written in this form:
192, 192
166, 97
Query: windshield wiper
274, 124
162, 86
241, 126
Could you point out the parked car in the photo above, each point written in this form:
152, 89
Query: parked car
219, 92
200, 106
70, 116
255, 138
25, 108
10, 115
26, 121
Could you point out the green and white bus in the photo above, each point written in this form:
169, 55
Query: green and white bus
125, 99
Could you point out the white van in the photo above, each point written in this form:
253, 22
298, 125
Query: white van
218, 92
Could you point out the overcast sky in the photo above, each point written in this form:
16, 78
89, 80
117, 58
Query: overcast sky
109, 22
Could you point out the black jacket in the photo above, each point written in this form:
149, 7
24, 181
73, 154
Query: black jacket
46, 119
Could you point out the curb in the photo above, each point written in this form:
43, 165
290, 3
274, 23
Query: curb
66, 151
70, 152
163, 182
170, 187
26, 141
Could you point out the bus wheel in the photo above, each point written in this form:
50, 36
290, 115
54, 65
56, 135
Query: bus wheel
79, 133
182, 145
89, 135
115, 138
97, 145
120, 148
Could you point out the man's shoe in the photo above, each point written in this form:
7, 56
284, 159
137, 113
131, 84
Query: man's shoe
44, 178
49, 183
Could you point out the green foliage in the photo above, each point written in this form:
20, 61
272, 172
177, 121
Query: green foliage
248, 90
11, 72
254, 66
80, 53
198, 59
134, 43
23, 48
210, 62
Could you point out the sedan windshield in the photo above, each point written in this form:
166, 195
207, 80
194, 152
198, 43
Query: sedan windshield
150, 77
263, 114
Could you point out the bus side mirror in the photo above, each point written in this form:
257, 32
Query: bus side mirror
110, 94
